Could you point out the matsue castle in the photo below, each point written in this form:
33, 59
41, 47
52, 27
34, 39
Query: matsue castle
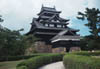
53, 32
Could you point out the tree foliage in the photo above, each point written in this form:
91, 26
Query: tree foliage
93, 18
11, 43
1, 20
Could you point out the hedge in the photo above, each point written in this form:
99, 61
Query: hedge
88, 53
13, 58
81, 61
36, 62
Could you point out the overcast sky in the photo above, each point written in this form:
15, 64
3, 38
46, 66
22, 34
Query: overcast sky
19, 13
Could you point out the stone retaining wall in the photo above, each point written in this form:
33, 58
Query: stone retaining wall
42, 47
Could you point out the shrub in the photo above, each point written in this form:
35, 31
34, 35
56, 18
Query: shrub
36, 62
22, 67
13, 58
81, 60
88, 53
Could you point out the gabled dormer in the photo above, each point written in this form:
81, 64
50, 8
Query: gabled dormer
48, 10
56, 18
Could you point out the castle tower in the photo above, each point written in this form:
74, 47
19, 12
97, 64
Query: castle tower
54, 30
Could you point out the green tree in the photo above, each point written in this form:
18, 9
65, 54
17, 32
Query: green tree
1, 20
93, 18
11, 43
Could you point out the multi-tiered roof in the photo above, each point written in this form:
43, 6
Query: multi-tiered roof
50, 26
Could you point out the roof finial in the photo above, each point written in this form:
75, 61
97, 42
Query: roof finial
54, 6
42, 5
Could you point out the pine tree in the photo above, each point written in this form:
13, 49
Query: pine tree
1, 20
93, 18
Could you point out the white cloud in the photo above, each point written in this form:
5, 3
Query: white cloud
29, 7
70, 7
19, 13
93, 4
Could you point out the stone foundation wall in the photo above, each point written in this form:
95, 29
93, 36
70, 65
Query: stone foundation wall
41, 47
59, 50
73, 49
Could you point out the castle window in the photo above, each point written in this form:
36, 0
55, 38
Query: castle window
57, 20
59, 26
46, 25
63, 26
51, 25
41, 20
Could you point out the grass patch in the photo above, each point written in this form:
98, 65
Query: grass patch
9, 64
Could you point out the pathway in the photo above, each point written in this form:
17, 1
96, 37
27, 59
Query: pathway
56, 65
